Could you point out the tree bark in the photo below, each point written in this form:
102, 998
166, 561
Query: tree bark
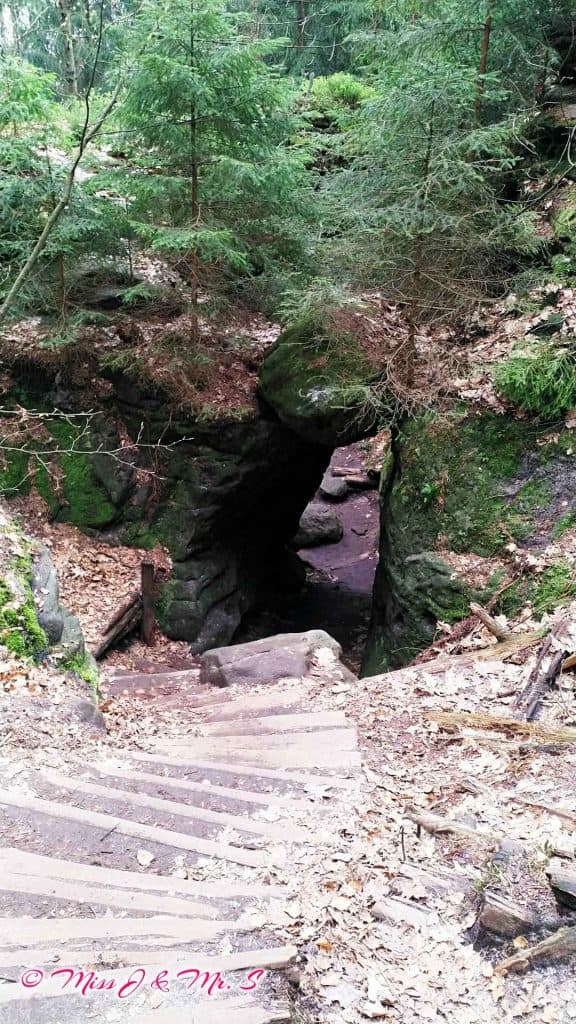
483, 67
148, 617
194, 198
70, 69
300, 23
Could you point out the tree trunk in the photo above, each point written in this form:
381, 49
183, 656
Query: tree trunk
194, 201
70, 71
87, 136
300, 23
409, 361
483, 67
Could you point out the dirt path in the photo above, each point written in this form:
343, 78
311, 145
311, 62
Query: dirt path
337, 594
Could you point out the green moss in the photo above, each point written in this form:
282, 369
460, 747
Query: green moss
545, 592
163, 602
542, 383
85, 500
455, 485
20, 632
88, 503
140, 536
84, 667
14, 473
320, 381
450, 477
554, 587
563, 525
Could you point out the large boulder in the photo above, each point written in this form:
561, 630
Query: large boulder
318, 525
287, 656
224, 493
471, 498
319, 378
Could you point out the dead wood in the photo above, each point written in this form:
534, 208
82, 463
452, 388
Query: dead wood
562, 943
438, 825
121, 626
556, 811
471, 720
130, 602
148, 603
498, 631
540, 680
361, 483
563, 883
569, 663
501, 915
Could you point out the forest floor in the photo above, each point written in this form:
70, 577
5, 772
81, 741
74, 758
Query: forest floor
383, 907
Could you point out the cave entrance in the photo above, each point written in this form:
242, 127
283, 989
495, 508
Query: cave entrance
337, 593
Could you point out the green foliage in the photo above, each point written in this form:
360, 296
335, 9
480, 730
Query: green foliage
555, 586
342, 90
542, 383
567, 522
26, 96
20, 632
84, 667
213, 181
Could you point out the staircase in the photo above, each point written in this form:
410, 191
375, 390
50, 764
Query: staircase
180, 854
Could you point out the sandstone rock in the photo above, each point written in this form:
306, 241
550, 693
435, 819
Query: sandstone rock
318, 525
334, 488
288, 655
47, 596
62, 629
317, 377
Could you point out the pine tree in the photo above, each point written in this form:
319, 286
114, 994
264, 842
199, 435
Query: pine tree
216, 184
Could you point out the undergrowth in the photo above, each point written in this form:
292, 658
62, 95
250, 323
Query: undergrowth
543, 383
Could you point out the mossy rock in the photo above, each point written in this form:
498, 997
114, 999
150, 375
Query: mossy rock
319, 379
467, 482
20, 631
83, 499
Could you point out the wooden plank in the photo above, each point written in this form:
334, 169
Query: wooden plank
21, 862
124, 826
274, 958
286, 755
263, 772
263, 828
79, 892
345, 739
82, 893
147, 576
277, 724
17, 931
238, 706
286, 803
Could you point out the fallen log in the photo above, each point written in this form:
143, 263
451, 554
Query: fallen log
361, 483
491, 625
540, 680
556, 811
125, 607
125, 621
438, 825
473, 720
503, 916
562, 943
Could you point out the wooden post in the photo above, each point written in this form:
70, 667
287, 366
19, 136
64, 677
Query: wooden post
148, 618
